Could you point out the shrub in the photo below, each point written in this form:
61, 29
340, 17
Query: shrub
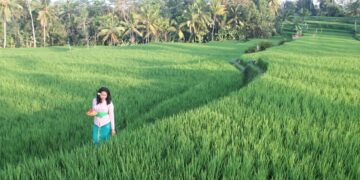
282, 42
357, 36
264, 45
251, 49
259, 47
263, 65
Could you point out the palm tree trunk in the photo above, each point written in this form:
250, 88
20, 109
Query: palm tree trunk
33, 31
148, 37
44, 37
212, 33
4, 32
32, 24
95, 37
87, 40
86, 34
132, 38
355, 26
213, 29
69, 35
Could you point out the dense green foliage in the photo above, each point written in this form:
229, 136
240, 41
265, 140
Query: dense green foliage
96, 22
33, 23
261, 46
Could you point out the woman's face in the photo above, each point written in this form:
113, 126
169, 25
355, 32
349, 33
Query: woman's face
103, 95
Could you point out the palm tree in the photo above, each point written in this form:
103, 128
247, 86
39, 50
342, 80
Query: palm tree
121, 6
274, 6
150, 18
354, 8
131, 26
235, 22
111, 32
44, 18
179, 28
28, 3
198, 21
83, 20
216, 9
234, 16
6, 8
165, 27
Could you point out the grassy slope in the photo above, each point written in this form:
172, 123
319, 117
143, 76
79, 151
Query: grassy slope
44, 91
319, 25
299, 120
357, 36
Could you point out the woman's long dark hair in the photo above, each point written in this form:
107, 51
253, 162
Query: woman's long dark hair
108, 98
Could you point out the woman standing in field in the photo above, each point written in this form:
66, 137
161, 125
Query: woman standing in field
103, 112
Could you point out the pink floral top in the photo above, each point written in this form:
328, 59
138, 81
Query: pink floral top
103, 107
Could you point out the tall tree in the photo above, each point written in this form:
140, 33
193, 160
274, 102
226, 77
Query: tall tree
44, 18
234, 15
150, 15
83, 21
197, 21
6, 9
69, 11
165, 27
234, 22
216, 9
122, 6
28, 3
354, 8
132, 26
274, 5
179, 29
111, 31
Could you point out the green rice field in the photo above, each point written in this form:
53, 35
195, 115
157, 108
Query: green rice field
183, 111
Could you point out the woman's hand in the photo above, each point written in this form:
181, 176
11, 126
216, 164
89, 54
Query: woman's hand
113, 132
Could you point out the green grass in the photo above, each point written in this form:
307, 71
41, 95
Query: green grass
349, 20
357, 36
318, 25
300, 120
46, 92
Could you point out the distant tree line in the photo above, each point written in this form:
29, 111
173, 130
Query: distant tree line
322, 8
34, 23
